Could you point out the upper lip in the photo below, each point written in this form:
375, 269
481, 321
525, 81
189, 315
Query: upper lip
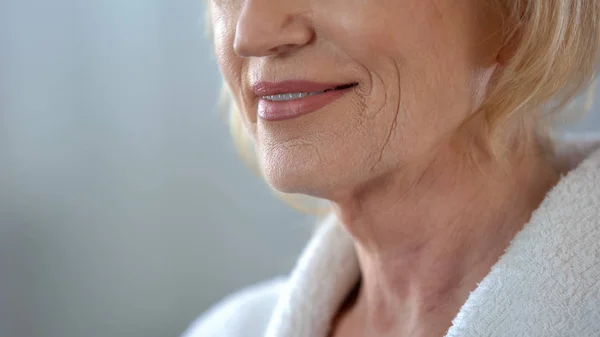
264, 88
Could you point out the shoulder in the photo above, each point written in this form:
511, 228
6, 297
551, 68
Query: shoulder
245, 313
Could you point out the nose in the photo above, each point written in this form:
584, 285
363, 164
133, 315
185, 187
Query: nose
271, 27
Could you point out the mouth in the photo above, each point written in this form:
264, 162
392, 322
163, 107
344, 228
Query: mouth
290, 96
286, 100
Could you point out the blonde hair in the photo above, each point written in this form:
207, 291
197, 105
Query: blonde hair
555, 57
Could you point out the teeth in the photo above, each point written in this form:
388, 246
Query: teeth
290, 96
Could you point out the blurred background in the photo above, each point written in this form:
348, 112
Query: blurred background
124, 208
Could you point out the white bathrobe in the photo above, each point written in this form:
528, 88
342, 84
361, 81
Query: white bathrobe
547, 283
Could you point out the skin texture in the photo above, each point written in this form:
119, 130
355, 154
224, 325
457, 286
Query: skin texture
400, 156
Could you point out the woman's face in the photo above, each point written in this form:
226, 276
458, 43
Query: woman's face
403, 74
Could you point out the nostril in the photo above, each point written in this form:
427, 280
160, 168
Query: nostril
284, 49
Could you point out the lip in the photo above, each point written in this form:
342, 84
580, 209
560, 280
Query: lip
283, 110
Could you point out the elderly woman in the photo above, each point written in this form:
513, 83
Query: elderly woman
425, 124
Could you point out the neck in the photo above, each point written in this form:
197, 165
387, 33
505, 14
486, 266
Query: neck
426, 238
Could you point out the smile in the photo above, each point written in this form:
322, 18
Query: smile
298, 95
291, 99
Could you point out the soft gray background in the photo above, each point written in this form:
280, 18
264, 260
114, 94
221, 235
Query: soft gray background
124, 209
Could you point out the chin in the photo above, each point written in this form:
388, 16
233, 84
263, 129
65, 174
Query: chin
289, 171
294, 177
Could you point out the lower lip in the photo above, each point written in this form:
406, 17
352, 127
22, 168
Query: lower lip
282, 110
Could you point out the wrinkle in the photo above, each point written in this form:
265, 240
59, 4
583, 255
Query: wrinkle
361, 107
385, 97
394, 124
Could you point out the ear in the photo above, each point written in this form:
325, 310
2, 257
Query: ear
500, 31
517, 15
509, 48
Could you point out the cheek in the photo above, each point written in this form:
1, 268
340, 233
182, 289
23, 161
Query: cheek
421, 72
231, 65
224, 34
